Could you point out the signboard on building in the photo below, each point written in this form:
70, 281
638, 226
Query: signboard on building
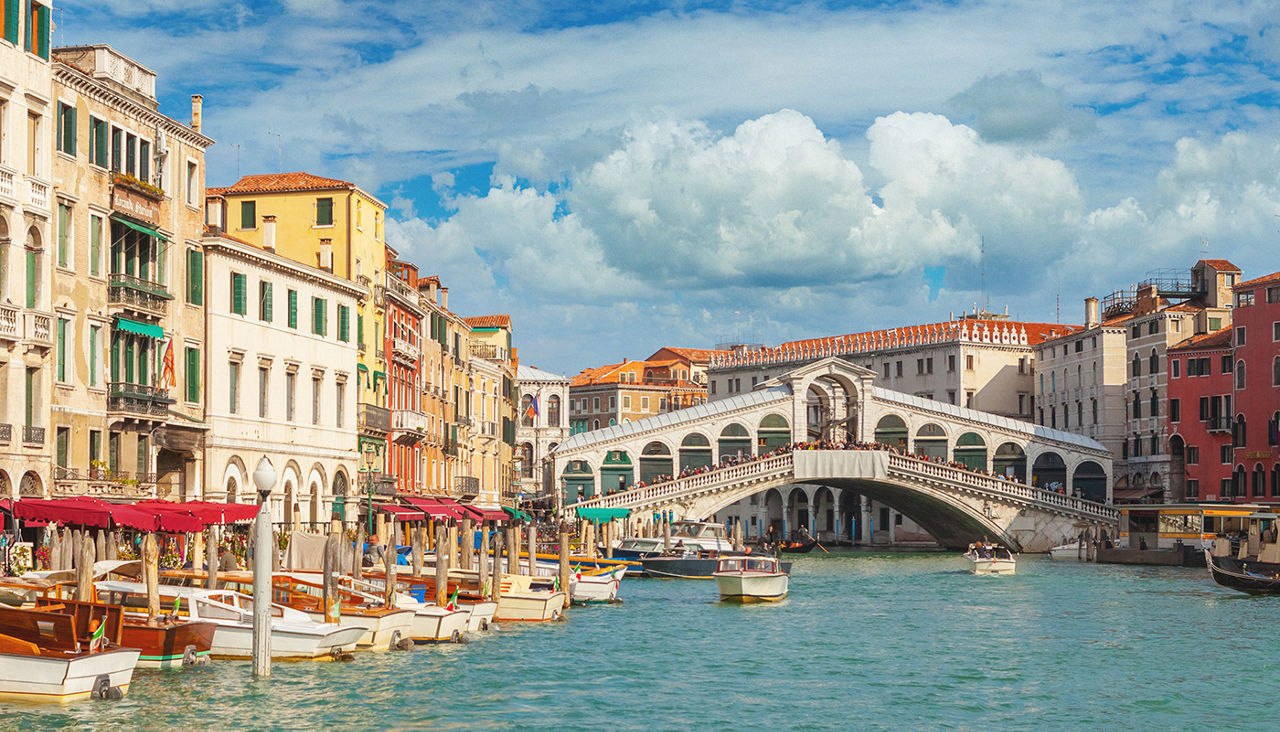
134, 204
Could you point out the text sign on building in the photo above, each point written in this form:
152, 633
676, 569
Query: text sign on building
130, 202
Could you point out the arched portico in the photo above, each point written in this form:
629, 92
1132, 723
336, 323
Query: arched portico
695, 452
735, 441
656, 462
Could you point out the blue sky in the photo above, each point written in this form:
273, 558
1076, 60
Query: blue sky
623, 176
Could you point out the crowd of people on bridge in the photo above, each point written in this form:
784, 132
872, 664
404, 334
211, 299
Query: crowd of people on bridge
741, 457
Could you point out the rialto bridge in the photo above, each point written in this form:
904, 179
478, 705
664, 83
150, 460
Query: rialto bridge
959, 473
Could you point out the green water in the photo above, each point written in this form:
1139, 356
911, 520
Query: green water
864, 642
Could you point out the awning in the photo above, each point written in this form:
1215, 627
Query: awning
1134, 494
484, 514
142, 329
206, 512
517, 514
603, 514
85, 511
434, 508
401, 512
139, 228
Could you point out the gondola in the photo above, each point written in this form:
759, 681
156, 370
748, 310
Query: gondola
797, 547
1236, 574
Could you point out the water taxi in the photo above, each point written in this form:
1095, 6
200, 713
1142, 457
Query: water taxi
694, 536
991, 559
749, 578
43, 658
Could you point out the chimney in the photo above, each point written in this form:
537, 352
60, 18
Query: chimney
197, 109
444, 298
213, 213
1091, 319
326, 255
269, 232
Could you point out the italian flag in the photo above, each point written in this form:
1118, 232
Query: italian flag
96, 639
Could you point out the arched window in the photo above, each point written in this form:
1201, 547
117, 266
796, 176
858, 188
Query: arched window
1259, 483
33, 267
1155, 404
1137, 366
1275, 371
1239, 374
1154, 366
1275, 480
1238, 432
526, 411
526, 460
553, 410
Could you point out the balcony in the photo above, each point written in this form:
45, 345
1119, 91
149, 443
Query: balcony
6, 184
405, 351
463, 421
102, 482
138, 400
32, 435
486, 350
374, 419
6, 433
37, 194
410, 426
1220, 423
39, 328
10, 323
466, 485
139, 295
489, 429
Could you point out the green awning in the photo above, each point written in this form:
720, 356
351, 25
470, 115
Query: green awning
517, 514
142, 329
603, 514
140, 227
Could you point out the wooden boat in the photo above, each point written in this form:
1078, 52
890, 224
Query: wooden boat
480, 611
691, 566
294, 636
1256, 578
431, 624
42, 659
798, 547
1068, 552
166, 641
748, 578
384, 627
990, 559
518, 600
588, 585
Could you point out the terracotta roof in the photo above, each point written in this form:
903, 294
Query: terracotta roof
1221, 265
1036, 332
281, 183
1264, 279
1186, 306
695, 355
489, 321
1213, 340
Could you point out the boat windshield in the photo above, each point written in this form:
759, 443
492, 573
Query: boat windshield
730, 565
760, 565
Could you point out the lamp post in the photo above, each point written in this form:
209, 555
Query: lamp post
370, 459
264, 477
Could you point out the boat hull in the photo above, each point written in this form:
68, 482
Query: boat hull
752, 586
993, 566
480, 614
596, 589
530, 607
1067, 552
170, 647
433, 624
688, 567
54, 679
380, 631
235, 641
1233, 573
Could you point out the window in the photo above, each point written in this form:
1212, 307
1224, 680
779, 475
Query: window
264, 301
324, 212
1175, 410
264, 378
1226, 364
1224, 454
63, 443
951, 364
290, 394
315, 400
1193, 488
1175, 368
95, 343
1137, 406
62, 350
1153, 363
1153, 327
626, 401
1240, 335
64, 234
144, 455
98, 142
341, 395
95, 447
1273, 294
968, 399
248, 211
344, 323
1244, 299
319, 316
1239, 374
1136, 367
1093, 405
595, 404
1275, 371
1275, 331
144, 161
95, 245
1022, 401
1079, 348
293, 308
1022, 365
37, 33
130, 154
1155, 404
239, 296
66, 128
1193, 455
193, 374
886, 369
919, 367
1215, 323
613, 404
113, 451
195, 277
233, 388
644, 404
897, 368
968, 363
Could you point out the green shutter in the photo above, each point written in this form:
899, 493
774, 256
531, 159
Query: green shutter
293, 308
195, 276
324, 212
64, 436
265, 297
42, 39
344, 323
11, 21
360, 329
193, 375
64, 232
239, 298
95, 245
31, 279
248, 215
62, 349
93, 356
100, 142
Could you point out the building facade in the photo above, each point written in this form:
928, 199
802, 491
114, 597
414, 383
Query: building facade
492, 393
403, 341
544, 424
1200, 413
1256, 387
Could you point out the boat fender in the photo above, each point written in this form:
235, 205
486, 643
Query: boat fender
190, 657
102, 688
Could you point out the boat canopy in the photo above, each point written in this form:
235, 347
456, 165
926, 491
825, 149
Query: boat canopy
603, 514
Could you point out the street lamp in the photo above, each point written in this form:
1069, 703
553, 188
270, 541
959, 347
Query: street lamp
370, 459
264, 477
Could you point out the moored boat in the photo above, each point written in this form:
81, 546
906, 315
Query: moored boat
1255, 578
990, 559
690, 565
693, 536
166, 641
748, 578
1068, 552
42, 659
798, 547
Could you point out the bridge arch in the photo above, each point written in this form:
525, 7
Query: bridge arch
799, 509
971, 449
891, 430
735, 439
695, 451
1089, 480
579, 481
656, 461
931, 441
824, 511
1049, 471
773, 511
1010, 460
840, 400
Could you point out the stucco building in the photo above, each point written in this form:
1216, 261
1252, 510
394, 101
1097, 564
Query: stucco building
543, 424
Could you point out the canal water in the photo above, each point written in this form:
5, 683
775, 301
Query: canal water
865, 641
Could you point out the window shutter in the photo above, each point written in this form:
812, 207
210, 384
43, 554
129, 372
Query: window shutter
324, 211
293, 308
42, 42
344, 324
95, 245
71, 133
195, 277
266, 304
360, 329
93, 356
31, 279
324, 317
193, 375
248, 215
11, 21
238, 296
62, 349
64, 232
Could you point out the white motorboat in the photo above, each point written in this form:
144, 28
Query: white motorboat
431, 623
990, 559
293, 634
588, 585
480, 614
518, 600
40, 660
692, 536
746, 578
1071, 551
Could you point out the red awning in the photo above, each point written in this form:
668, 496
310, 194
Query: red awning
434, 508
86, 511
401, 512
484, 514
206, 512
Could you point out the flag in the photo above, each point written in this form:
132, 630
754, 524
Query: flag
453, 602
168, 379
95, 640
532, 411
177, 604
577, 573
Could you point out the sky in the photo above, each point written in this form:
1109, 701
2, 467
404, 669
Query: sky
623, 176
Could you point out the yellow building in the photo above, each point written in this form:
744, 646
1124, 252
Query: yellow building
493, 395
338, 227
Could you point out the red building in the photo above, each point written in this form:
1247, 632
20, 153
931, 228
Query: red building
1200, 416
403, 346
1256, 338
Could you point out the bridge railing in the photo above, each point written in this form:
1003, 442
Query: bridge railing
683, 487
1000, 486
